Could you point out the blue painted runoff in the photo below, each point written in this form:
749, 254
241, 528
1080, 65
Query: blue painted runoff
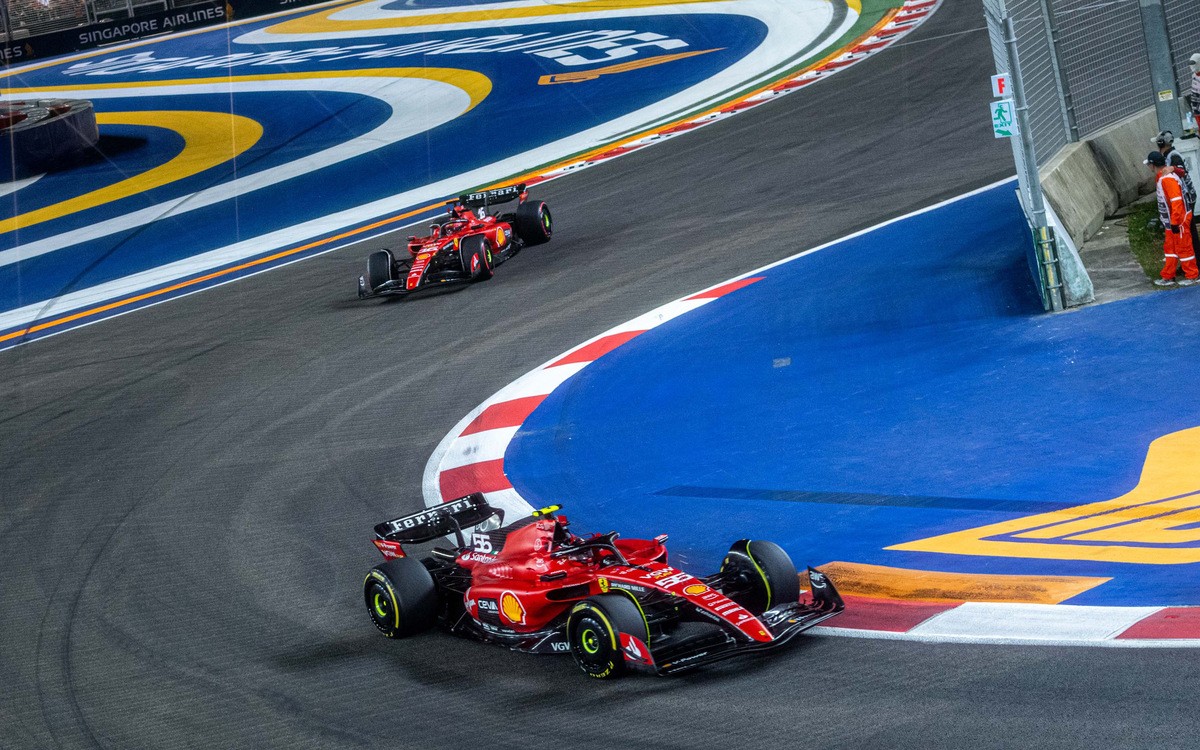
839, 416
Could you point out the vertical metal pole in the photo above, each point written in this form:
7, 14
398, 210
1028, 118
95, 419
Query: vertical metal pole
1065, 103
1044, 236
1037, 206
1162, 74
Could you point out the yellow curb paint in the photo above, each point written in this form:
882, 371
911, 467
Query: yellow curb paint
881, 582
210, 139
1161, 511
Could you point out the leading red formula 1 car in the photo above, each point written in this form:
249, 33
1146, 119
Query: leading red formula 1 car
465, 247
614, 604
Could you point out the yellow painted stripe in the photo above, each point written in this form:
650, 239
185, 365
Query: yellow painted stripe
210, 139
878, 581
1142, 526
323, 22
476, 85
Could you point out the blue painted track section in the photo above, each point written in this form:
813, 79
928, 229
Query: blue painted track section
892, 387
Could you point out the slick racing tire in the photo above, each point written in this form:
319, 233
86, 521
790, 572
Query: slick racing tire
401, 598
379, 269
594, 630
765, 576
476, 256
534, 225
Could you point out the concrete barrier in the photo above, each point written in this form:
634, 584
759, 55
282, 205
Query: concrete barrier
1089, 180
1121, 148
1080, 189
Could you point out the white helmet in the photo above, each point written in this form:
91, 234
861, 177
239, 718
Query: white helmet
1194, 61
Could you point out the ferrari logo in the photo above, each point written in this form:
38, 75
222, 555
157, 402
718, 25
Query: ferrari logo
603, 582
1157, 522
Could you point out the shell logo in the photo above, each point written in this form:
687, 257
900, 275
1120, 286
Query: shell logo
511, 607
696, 589
500, 237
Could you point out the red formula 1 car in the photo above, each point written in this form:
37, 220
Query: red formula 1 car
467, 246
614, 604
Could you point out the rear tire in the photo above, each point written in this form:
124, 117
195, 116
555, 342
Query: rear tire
594, 630
768, 574
534, 224
401, 597
379, 269
476, 256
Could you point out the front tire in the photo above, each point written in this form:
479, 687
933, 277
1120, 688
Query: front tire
379, 269
534, 224
475, 254
401, 597
594, 630
766, 576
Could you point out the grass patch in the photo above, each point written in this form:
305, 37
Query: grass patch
1146, 239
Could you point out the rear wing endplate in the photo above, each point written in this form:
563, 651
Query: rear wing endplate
488, 197
445, 519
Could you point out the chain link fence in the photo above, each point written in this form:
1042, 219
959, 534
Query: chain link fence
1085, 63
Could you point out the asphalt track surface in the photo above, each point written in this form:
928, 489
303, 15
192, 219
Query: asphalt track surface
188, 491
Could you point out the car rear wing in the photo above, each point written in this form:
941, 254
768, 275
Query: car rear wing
442, 520
488, 197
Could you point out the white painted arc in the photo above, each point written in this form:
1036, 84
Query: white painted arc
1058, 623
478, 447
766, 11
436, 103
8, 188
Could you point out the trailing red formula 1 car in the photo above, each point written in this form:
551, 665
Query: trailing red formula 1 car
463, 248
615, 604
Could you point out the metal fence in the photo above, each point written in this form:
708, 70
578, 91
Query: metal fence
1085, 63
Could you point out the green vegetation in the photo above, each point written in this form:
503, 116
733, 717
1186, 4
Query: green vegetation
1146, 237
